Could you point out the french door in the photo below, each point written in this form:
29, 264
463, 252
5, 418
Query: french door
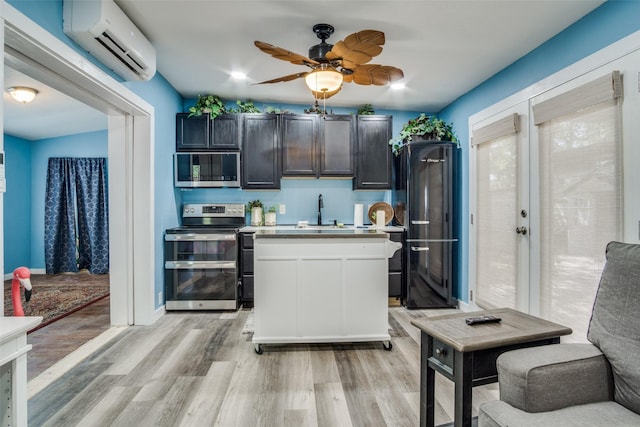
500, 221
547, 198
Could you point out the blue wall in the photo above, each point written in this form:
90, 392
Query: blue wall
17, 203
26, 169
611, 22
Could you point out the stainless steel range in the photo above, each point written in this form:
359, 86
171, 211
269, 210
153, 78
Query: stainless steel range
201, 258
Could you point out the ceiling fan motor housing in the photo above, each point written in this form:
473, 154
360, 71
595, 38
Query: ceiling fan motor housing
319, 51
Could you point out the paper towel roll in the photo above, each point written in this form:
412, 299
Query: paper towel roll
358, 213
380, 219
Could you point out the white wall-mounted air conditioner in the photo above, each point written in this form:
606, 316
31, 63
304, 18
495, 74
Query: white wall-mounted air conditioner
102, 28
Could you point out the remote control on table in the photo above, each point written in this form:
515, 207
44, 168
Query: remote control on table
488, 318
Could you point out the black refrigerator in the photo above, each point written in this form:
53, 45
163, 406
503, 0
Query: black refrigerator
424, 183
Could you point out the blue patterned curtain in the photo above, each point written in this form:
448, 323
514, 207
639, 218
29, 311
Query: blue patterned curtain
93, 216
59, 217
76, 241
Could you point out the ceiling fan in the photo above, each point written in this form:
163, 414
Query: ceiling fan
331, 65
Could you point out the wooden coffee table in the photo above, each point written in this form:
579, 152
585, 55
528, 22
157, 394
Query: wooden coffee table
467, 354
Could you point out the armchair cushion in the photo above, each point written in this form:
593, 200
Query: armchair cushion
546, 378
501, 414
615, 324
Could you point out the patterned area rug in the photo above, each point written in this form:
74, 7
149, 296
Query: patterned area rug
55, 296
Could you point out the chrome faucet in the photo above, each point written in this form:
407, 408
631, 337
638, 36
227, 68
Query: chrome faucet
320, 206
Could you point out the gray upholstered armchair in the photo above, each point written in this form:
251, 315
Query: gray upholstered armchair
595, 384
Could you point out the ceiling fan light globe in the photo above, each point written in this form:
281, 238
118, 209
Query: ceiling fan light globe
323, 80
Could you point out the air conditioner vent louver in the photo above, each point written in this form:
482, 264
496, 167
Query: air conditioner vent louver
101, 28
115, 47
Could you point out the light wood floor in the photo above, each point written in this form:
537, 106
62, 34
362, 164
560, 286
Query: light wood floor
198, 369
58, 339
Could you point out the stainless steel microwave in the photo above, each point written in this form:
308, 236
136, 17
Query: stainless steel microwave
207, 169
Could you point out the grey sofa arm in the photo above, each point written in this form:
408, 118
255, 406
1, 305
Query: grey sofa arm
551, 377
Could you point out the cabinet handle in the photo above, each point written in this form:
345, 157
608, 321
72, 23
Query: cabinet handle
441, 352
416, 222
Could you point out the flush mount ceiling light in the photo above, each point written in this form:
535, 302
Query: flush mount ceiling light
22, 94
324, 79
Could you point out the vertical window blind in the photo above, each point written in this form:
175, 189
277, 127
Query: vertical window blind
580, 196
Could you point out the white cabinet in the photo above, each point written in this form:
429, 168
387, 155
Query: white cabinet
321, 289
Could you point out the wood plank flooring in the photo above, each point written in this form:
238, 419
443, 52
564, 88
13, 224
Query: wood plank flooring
58, 339
199, 369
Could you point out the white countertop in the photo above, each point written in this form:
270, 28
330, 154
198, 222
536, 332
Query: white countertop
252, 229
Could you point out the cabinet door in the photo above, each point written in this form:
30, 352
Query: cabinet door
192, 133
373, 153
337, 142
299, 145
226, 132
260, 156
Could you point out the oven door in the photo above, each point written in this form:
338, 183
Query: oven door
200, 271
200, 285
200, 247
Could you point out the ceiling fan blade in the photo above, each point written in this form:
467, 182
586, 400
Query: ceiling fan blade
357, 48
284, 54
286, 78
379, 75
325, 95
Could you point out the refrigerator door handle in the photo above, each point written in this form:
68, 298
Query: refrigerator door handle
419, 249
416, 222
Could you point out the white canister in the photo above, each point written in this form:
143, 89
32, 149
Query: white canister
270, 218
380, 219
256, 217
358, 214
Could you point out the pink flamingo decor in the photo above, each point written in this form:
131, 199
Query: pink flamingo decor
21, 276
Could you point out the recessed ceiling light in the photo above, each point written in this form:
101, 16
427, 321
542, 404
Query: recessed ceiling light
238, 75
397, 86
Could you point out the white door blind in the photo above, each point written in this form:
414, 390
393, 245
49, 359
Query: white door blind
580, 209
496, 247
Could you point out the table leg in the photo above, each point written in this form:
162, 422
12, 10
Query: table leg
427, 383
463, 378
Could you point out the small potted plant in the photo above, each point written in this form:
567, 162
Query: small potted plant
245, 107
423, 127
208, 104
270, 216
366, 110
255, 208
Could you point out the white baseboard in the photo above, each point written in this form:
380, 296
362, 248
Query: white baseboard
9, 276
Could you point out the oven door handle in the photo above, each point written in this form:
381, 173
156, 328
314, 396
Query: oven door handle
192, 237
186, 265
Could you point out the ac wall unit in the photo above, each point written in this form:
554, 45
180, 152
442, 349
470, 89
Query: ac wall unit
102, 28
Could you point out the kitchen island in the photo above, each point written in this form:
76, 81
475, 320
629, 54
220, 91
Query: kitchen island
321, 285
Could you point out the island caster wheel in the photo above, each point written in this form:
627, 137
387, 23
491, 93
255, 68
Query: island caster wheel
258, 348
387, 345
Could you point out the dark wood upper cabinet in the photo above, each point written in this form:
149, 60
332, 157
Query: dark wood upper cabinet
226, 132
299, 145
373, 153
192, 133
336, 148
314, 145
260, 152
